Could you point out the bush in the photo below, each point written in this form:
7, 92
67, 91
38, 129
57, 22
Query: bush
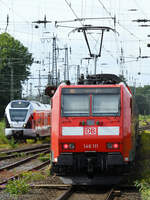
3, 139
144, 188
13, 143
143, 180
18, 186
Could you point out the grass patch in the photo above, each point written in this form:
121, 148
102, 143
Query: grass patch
45, 139
17, 187
145, 143
30, 141
4, 142
3, 139
44, 157
143, 120
21, 186
144, 188
143, 181
33, 176
12, 143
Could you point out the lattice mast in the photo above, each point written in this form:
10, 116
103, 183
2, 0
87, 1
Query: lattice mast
54, 62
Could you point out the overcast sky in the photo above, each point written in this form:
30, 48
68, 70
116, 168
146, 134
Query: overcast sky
131, 36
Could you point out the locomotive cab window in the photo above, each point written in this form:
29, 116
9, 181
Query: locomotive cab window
18, 114
90, 101
75, 105
106, 104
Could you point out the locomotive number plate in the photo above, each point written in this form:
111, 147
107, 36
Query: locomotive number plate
90, 131
91, 146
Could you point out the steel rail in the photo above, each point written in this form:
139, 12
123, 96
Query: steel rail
52, 186
66, 194
19, 153
43, 186
17, 175
25, 149
41, 166
16, 164
110, 195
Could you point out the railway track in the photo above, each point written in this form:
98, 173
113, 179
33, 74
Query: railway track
26, 164
69, 192
73, 193
20, 162
10, 152
39, 167
25, 153
117, 193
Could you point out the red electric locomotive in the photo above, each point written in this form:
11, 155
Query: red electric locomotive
93, 126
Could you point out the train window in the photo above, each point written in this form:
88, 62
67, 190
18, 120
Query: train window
19, 104
75, 105
18, 114
106, 104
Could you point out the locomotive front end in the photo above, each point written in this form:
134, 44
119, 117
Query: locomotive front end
88, 131
19, 120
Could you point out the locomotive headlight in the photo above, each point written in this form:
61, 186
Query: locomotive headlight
65, 146
68, 146
113, 145
24, 125
116, 146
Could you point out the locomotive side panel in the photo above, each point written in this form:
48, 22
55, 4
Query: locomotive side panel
55, 122
127, 120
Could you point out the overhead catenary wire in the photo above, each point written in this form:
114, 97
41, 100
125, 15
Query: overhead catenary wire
142, 11
109, 13
132, 34
96, 40
80, 13
6, 5
69, 4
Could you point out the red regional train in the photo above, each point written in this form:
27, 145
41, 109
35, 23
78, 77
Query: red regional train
94, 127
27, 119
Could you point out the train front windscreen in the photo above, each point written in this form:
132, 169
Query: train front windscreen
18, 114
90, 101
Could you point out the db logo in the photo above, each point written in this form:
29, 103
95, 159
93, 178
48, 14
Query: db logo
90, 131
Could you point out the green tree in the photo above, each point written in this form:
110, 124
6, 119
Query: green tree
14, 69
142, 104
142, 97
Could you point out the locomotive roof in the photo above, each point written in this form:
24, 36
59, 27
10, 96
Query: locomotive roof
97, 79
93, 80
101, 79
